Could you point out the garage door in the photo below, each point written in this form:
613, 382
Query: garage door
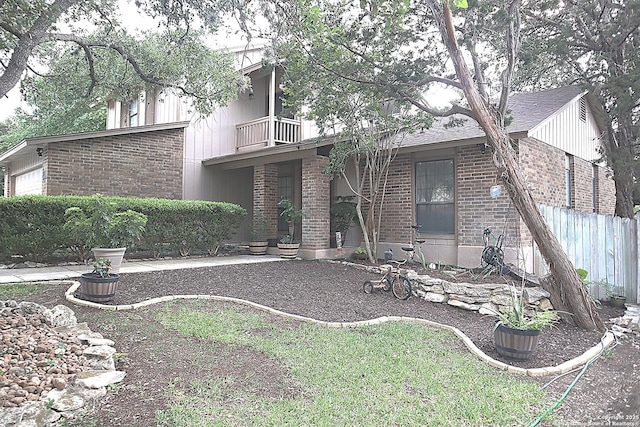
29, 183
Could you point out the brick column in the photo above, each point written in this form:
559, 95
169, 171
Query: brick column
265, 195
315, 204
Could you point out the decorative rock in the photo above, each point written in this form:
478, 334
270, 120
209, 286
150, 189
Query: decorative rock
64, 401
435, 297
97, 379
94, 341
534, 294
101, 351
545, 304
60, 315
501, 299
469, 299
457, 303
59, 383
28, 308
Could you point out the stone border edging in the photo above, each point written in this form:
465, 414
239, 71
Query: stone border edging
607, 340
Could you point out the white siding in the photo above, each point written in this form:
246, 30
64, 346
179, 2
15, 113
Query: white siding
566, 131
29, 183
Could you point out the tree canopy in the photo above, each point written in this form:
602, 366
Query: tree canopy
84, 50
595, 43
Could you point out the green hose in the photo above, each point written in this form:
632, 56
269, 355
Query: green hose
573, 383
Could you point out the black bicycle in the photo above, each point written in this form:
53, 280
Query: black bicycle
492, 254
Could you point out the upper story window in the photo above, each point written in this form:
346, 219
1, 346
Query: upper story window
435, 196
133, 113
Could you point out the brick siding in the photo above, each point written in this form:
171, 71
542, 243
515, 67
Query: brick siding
475, 175
265, 195
315, 203
148, 164
582, 185
398, 208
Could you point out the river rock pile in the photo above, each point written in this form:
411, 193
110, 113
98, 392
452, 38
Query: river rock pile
50, 365
36, 357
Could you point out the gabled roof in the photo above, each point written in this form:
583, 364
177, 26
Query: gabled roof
528, 110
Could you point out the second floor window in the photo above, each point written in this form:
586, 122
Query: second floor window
133, 113
435, 197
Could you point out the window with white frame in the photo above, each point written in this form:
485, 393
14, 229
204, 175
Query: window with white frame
133, 113
435, 196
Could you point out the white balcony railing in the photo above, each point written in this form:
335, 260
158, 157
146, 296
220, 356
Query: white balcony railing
255, 134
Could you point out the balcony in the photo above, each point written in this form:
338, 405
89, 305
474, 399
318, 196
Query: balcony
255, 134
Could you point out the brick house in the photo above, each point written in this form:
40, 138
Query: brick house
251, 154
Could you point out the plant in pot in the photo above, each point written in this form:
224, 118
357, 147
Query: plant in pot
258, 244
101, 284
103, 230
343, 213
517, 330
360, 253
287, 246
616, 295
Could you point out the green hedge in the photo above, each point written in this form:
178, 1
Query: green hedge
31, 226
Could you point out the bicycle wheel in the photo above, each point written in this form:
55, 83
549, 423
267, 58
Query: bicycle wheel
367, 287
401, 288
388, 284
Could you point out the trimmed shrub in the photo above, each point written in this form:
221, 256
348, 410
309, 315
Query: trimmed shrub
32, 226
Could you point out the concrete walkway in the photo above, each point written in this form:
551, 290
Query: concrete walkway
74, 271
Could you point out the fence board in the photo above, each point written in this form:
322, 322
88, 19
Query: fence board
605, 246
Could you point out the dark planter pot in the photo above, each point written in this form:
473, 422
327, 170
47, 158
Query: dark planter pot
617, 301
98, 289
515, 344
360, 256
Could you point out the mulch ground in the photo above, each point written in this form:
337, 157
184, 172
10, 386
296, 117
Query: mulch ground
333, 292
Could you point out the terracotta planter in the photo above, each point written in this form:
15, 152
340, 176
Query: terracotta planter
258, 248
114, 254
98, 289
288, 250
515, 344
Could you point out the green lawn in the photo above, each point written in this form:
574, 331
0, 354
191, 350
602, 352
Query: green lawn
390, 374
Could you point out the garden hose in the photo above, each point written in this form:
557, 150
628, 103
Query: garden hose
573, 383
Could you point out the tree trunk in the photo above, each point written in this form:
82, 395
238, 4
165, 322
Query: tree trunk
568, 287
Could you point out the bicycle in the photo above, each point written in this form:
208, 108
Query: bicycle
492, 255
416, 243
392, 280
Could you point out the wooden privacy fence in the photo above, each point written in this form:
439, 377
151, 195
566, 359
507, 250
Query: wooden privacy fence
606, 246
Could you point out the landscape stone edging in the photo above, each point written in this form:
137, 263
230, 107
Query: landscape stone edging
607, 340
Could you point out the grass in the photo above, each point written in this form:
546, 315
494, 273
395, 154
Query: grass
394, 374
14, 290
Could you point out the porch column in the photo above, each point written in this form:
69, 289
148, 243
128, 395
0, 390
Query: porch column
265, 195
272, 108
315, 204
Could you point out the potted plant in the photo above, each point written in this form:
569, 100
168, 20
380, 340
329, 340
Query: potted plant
258, 244
516, 332
287, 246
343, 212
614, 293
616, 296
360, 253
103, 230
100, 285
